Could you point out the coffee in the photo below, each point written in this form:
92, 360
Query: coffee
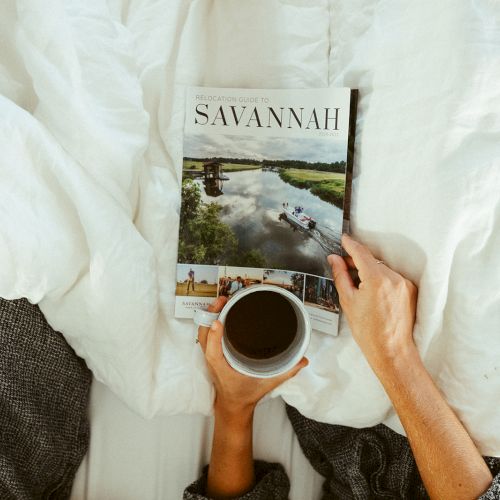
261, 325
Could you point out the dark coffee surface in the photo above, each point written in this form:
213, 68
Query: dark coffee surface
261, 325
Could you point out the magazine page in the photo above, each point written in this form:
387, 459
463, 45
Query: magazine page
263, 189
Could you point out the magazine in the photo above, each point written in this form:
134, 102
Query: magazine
265, 194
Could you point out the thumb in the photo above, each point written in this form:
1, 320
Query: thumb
217, 304
343, 281
214, 342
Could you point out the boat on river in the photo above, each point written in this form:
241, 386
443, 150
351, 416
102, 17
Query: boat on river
297, 216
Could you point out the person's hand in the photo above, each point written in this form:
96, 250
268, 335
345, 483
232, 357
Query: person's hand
234, 392
381, 311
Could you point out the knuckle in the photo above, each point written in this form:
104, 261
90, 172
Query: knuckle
379, 280
399, 279
411, 288
355, 244
362, 251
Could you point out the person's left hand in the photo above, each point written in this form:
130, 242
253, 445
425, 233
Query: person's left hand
235, 392
381, 311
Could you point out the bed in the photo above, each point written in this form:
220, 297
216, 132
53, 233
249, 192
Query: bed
92, 107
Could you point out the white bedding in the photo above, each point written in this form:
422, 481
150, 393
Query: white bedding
91, 139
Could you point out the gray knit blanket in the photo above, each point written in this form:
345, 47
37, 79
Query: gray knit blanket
44, 431
44, 388
357, 464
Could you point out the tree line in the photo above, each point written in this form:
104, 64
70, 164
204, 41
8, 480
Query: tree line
237, 161
337, 166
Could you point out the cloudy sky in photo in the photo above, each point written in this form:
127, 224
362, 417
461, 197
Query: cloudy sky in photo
278, 276
327, 150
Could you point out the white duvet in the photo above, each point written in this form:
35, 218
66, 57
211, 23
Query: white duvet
91, 118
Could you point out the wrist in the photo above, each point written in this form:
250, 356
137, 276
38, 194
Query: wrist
234, 414
392, 362
233, 426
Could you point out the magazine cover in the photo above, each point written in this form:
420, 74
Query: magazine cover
265, 194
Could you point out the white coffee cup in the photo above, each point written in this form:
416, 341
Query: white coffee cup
269, 367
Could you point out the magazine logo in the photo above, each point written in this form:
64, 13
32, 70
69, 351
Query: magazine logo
244, 116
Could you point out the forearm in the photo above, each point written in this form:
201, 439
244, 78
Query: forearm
449, 463
231, 470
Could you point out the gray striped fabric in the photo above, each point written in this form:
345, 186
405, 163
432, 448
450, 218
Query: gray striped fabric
357, 464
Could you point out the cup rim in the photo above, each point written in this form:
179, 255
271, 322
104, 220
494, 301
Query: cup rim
293, 360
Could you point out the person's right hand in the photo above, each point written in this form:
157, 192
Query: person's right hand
381, 311
235, 392
231, 470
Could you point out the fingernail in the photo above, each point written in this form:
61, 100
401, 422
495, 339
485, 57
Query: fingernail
214, 326
331, 260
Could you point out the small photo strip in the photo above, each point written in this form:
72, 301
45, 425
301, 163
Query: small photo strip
194, 280
289, 280
320, 293
232, 279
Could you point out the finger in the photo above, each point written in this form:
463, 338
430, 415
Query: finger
214, 342
216, 306
202, 337
343, 281
361, 256
291, 373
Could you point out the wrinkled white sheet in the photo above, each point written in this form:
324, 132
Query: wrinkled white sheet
91, 146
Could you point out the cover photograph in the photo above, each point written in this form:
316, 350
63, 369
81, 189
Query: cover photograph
265, 194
